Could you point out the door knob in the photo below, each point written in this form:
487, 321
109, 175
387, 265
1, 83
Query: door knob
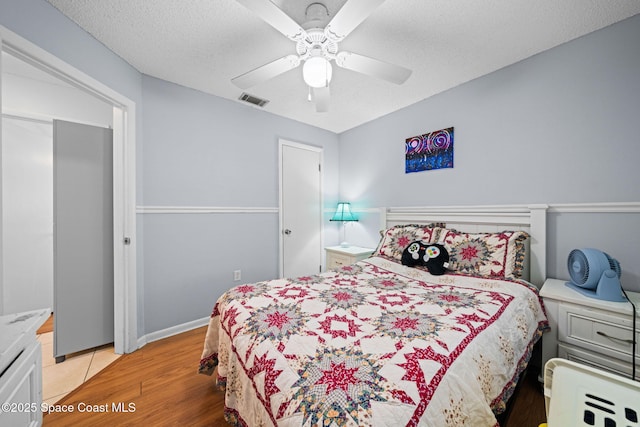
287, 231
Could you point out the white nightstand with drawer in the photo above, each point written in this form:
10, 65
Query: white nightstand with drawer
590, 331
338, 256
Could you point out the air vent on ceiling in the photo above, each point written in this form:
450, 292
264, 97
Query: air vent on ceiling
253, 99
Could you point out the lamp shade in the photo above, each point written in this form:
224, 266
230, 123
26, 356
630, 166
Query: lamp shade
317, 72
343, 213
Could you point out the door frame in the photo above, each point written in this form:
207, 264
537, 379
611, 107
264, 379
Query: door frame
281, 143
124, 174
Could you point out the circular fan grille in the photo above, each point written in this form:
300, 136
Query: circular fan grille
578, 267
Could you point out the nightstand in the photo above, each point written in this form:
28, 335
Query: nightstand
338, 256
589, 331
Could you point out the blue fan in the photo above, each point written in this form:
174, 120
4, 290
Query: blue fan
595, 274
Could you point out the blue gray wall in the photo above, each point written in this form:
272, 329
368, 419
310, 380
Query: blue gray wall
560, 127
204, 151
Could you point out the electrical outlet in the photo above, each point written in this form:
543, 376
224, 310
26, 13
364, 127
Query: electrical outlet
237, 275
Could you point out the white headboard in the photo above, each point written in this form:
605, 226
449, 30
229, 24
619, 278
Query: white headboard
474, 219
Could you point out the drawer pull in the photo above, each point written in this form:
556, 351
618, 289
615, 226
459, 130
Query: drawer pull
614, 338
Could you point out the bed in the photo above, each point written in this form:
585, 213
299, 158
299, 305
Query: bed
383, 344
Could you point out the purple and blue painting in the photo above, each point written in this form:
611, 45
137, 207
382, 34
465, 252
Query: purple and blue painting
433, 150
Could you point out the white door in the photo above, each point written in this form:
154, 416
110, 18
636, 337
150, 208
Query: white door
300, 209
27, 214
83, 237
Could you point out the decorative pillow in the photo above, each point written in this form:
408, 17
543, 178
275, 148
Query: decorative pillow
395, 240
436, 259
499, 255
432, 256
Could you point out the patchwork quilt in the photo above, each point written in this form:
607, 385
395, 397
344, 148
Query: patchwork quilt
372, 344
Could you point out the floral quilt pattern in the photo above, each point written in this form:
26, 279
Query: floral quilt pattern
376, 343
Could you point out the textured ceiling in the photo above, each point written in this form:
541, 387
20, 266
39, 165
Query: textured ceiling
203, 44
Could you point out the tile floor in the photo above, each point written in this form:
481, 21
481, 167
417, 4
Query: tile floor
59, 379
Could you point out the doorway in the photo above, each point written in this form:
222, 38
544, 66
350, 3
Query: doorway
300, 209
122, 113
27, 213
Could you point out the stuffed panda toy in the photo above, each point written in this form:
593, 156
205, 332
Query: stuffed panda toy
431, 255
413, 254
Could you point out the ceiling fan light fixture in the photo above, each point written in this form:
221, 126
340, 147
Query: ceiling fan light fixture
317, 72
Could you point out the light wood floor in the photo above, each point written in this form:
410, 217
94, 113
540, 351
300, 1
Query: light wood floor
47, 326
161, 381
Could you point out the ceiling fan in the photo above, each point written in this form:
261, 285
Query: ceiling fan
317, 47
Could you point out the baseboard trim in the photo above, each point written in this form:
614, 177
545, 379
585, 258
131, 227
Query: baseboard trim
173, 330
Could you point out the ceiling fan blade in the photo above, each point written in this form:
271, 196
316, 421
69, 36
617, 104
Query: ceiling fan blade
349, 17
321, 96
274, 16
372, 67
266, 72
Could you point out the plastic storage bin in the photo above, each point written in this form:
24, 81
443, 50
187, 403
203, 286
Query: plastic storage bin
579, 395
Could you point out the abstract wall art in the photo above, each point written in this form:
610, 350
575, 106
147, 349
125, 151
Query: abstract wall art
433, 150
